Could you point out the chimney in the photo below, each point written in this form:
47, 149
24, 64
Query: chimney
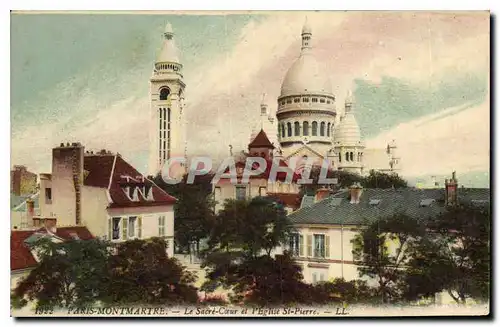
355, 192
30, 209
450, 191
50, 224
321, 194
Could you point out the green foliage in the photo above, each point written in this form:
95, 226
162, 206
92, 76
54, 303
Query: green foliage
383, 263
142, 273
69, 274
378, 179
345, 179
194, 209
81, 273
342, 291
454, 256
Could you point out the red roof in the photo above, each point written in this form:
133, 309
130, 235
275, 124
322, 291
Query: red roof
289, 199
261, 141
280, 175
127, 187
20, 255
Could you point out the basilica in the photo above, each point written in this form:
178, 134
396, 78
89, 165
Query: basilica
306, 124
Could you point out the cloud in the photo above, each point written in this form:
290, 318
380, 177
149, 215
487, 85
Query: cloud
223, 93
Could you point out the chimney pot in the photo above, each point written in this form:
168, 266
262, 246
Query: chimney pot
355, 192
321, 194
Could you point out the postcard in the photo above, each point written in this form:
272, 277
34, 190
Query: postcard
250, 164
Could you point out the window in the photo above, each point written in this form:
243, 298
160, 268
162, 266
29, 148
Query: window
116, 228
241, 192
296, 126
322, 129
351, 156
319, 245
283, 102
296, 244
161, 226
282, 130
347, 156
322, 100
289, 101
314, 128
328, 101
132, 226
296, 100
164, 93
305, 99
262, 191
314, 99
328, 130
48, 195
340, 157
305, 128
289, 127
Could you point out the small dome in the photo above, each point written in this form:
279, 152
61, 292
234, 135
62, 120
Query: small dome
306, 76
348, 132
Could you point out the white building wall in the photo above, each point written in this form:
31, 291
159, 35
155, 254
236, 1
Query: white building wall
94, 204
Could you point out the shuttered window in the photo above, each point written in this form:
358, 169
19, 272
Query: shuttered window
301, 246
139, 227
309, 245
124, 228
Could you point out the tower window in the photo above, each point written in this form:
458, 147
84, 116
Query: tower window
351, 156
296, 100
328, 130
282, 130
283, 102
289, 126
322, 129
164, 93
306, 128
347, 156
314, 128
340, 157
328, 101
314, 99
297, 128
322, 100
289, 101
305, 99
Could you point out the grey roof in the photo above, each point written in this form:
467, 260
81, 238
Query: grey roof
338, 210
18, 203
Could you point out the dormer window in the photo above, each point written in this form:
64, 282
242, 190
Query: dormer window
427, 202
164, 93
374, 202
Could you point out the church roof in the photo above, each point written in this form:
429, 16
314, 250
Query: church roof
306, 75
261, 141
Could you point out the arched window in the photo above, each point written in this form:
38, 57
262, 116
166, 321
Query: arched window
164, 93
282, 130
352, 156
322, 129
328, 130
314, 128
296, 126
289, 126
340, 157
306, 128
347, 156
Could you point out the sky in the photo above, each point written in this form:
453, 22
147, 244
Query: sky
419, 78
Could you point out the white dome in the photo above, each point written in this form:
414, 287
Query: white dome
306, 76
347, 133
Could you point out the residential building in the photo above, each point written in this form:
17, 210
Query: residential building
322, 244
106, 194
260, 185
22, 181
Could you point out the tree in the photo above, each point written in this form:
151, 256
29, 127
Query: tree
342, 291
382, 249
344, 180
454, 257
240, 245
194, 210
378, 179
142, 273
68, 274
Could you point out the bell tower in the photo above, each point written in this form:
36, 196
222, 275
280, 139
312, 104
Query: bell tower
167, 130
